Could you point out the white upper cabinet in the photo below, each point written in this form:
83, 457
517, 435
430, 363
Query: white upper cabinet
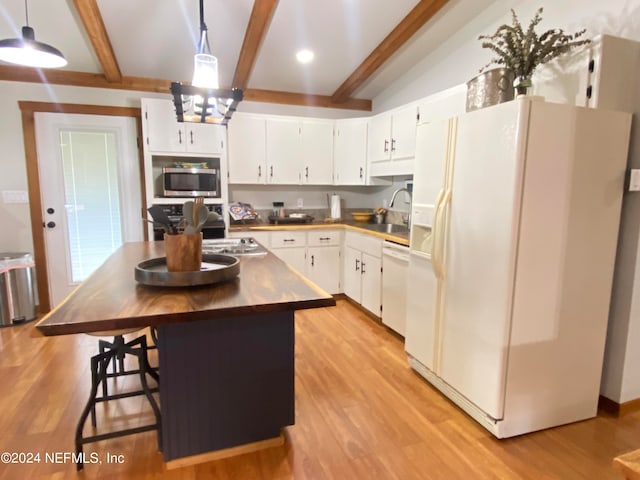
299, 151
350, 152
392, 138
317, 152
284, 151
247, 149
164, 134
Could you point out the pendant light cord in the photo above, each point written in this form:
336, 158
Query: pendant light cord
204, 38
26, 12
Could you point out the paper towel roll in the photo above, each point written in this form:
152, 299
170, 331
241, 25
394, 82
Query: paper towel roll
335, 206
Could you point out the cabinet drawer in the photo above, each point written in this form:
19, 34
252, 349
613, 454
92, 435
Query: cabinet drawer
288, 238
364, 243
319, 238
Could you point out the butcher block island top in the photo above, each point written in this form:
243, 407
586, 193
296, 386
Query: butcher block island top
112, 299
226, 351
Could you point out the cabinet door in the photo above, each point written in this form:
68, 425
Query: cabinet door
379, 138
351, 273
163, 132
350, 152
317, 152
371, 283
204, 138
283, 151
403, 133
323, 267
247, 149
295, 257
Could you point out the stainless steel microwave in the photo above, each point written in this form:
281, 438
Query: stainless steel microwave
191, 182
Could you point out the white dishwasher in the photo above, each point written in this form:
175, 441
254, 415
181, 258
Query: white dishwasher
395, 266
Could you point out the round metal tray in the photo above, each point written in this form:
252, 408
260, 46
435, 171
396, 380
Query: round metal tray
216, 268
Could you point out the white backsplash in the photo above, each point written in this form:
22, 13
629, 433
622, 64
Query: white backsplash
315, 197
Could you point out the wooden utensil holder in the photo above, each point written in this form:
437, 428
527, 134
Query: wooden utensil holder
183, 252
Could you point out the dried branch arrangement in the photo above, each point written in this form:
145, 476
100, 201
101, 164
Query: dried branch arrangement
523, 51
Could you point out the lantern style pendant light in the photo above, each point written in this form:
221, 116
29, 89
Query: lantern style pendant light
203, 101
28, 52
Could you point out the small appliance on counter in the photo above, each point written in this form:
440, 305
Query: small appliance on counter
292, 218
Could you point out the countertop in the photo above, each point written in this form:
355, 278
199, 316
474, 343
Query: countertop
400, 238
112, 299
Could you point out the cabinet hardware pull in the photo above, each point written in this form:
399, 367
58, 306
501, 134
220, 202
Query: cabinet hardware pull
325, 238
386, 146
361, 173
362, 269
312, 260
271, 171
357, 264
180, 137
393, 144
306, 172
191, 135
289, 240
259, 171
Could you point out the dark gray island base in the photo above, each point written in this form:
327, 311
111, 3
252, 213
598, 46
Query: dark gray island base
226, 351
225, 383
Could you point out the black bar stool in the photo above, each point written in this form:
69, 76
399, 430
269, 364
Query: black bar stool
115, 352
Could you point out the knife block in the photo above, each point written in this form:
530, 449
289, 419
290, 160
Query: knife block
183, 252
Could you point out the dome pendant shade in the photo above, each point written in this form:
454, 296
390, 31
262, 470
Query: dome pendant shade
28, 52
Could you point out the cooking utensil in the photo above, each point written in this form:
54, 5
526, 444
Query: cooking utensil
187, 213
201, 214
160, 216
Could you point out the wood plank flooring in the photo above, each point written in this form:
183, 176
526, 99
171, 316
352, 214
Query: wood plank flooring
361, 413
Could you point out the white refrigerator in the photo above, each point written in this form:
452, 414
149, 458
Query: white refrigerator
512, 250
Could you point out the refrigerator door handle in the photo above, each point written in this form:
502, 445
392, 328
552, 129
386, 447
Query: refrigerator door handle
437, 258
435, 234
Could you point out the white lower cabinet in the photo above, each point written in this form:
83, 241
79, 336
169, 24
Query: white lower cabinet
290, 246
315, 254
324, 259
362, 270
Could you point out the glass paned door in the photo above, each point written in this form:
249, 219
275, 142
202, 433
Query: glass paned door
89, 161
91, 193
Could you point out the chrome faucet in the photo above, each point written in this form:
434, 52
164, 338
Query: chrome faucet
393, 199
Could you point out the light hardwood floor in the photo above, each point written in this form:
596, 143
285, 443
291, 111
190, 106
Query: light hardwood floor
361, 413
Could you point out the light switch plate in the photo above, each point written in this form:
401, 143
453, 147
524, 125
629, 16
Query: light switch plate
15, 196
634, 180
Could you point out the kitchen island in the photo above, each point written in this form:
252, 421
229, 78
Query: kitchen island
226, 351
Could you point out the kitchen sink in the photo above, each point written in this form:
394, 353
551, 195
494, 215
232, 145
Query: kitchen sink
386, 227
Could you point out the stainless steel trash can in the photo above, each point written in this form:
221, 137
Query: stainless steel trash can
18, 298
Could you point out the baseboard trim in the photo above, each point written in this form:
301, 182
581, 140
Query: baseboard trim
618, 409
225, 453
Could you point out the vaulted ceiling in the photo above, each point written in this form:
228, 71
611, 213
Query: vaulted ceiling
361, 46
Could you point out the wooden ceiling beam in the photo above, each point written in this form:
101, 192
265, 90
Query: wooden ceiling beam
416, 18
98, 80
94, 26
259, 22
303, 99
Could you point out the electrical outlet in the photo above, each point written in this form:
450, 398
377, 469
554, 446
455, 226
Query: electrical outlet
634, 180
299, 203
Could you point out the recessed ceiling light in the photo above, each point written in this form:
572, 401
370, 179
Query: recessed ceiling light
304, 56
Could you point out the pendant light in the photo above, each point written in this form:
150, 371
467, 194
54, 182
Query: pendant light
28, 52
203, 101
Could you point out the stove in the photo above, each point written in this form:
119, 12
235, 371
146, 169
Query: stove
233, 246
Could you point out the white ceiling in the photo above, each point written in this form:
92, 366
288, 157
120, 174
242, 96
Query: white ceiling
157, 38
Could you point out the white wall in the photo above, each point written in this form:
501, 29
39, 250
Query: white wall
459, 59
